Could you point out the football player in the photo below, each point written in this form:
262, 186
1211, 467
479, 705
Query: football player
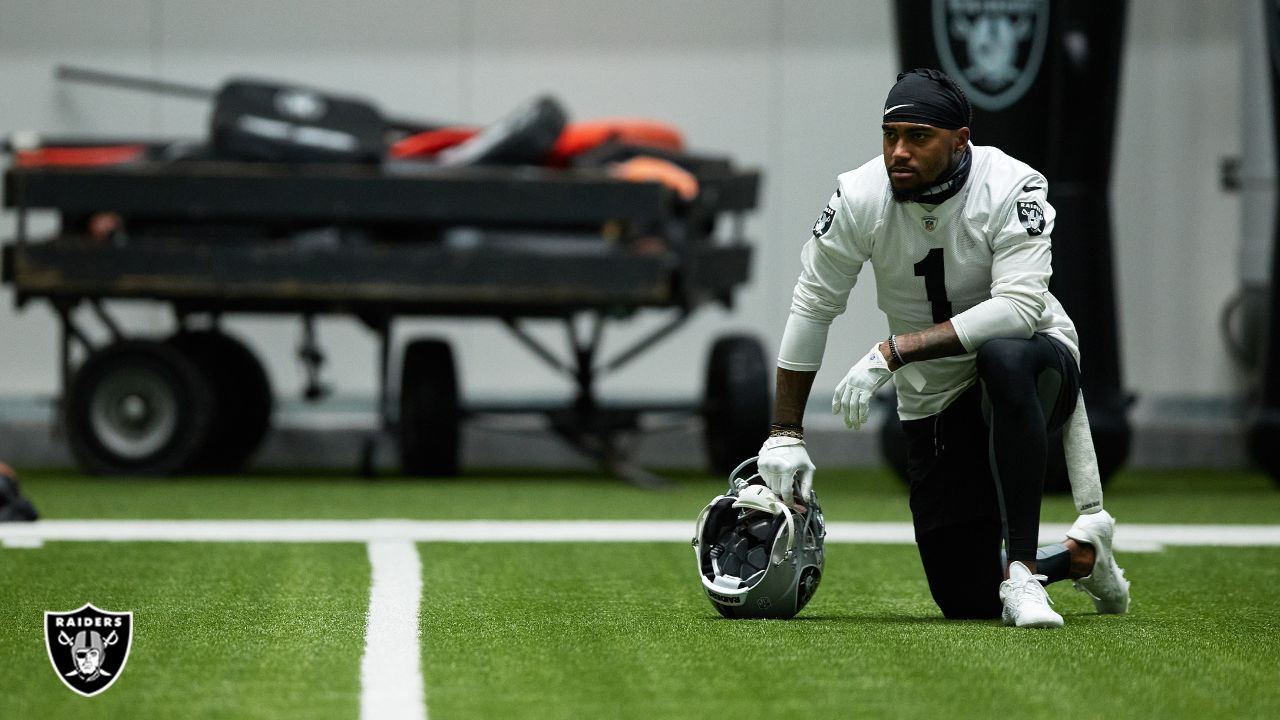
983, 357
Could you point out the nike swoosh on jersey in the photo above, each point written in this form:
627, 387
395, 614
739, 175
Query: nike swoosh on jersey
895, 107
1029, 188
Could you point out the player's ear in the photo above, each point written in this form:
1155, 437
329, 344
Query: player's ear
962, 138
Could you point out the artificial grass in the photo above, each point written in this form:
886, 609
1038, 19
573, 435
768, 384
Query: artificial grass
220, 630
861, 494
623, 631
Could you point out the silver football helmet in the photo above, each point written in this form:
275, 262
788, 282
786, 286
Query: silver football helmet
758, 557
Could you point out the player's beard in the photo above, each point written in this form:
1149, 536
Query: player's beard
906, 195
913, 194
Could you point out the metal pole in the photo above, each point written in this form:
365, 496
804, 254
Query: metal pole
88, 76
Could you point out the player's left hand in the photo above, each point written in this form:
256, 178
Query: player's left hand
853, 394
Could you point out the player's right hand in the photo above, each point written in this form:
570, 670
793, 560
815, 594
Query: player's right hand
784, 463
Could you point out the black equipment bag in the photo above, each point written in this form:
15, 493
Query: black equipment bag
271, 122
525, 136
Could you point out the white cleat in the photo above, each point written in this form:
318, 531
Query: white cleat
1106, 584
1026, 604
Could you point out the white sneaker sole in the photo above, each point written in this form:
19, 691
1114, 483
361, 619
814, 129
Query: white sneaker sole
1107, 575
1042, 620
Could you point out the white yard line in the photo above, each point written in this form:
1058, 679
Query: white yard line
1130, 537
391, 684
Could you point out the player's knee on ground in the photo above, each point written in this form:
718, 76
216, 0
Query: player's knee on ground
962, 565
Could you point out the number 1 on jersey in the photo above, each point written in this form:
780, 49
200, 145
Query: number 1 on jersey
935, 284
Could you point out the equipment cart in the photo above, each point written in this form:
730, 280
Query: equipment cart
376, 242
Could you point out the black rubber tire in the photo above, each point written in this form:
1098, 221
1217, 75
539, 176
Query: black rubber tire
244, 400
736, 405
430, 412
171, 397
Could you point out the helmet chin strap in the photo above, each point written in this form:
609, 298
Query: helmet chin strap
790, 527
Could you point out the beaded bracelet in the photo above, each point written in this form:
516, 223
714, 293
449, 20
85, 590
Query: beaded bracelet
786, 430
893, 350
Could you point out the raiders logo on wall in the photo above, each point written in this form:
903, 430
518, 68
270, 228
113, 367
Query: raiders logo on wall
993, 49
88, 647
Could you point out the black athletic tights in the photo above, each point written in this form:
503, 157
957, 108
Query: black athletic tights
1029, 390
977, 470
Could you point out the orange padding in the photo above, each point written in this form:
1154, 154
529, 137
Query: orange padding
576, 138
651, 169
104, 155
580, 137
427, 144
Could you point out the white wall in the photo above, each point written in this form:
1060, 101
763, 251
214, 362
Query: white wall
791, 87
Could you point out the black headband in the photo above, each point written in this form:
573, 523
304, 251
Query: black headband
928, 97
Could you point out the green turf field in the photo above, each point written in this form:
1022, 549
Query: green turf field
587, 630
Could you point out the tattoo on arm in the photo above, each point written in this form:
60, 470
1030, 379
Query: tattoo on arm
938, 341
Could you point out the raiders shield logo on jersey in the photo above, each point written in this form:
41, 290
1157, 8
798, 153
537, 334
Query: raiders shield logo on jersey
88, 647
823, 224
993, 49
1031, 217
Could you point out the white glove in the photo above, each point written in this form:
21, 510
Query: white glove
853, 394
781, 460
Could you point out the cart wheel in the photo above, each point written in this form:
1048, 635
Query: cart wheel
736, 406
138, 407
430, 414
242, 411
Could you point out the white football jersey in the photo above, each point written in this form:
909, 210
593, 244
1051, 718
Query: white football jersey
982, 259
